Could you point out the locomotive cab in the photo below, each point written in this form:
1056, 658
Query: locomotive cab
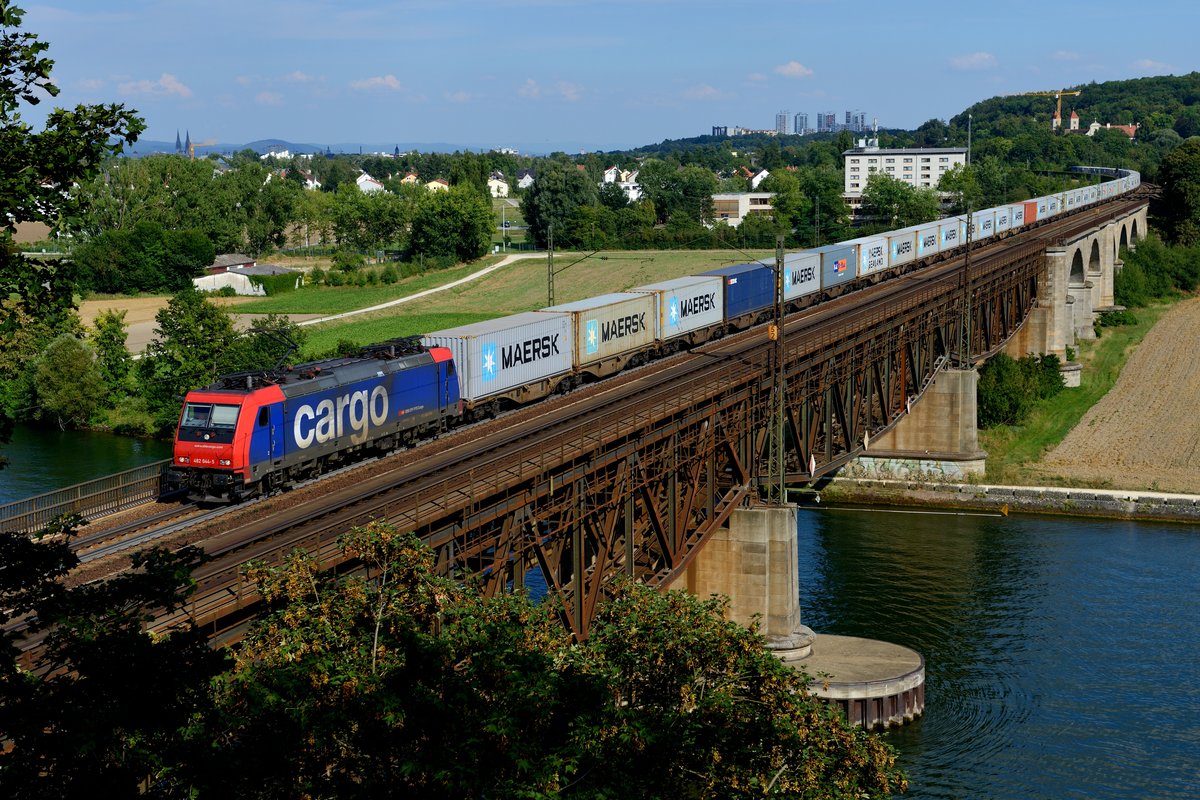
206, 444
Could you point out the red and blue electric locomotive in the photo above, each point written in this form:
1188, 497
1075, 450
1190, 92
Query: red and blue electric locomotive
255, 432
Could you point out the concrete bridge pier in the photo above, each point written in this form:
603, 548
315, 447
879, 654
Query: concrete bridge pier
938, 437
755, 563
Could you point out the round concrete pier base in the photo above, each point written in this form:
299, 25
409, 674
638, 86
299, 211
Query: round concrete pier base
795, 648
876, 684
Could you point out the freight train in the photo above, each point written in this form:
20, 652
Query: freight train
257, 432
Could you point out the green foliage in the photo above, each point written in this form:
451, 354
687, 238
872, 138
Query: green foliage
1112, 319
271, 341
456, 224
68, 381
104, 717
193, 337
1156, 271
402, 682
558, 190
1180, 178
144, 258
895, 204
1008, 388
347, 260
107, 339
274, 285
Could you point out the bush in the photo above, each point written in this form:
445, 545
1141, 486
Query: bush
316, 276
1008, 389
348, 260
335, 278
1113, 319
388, 275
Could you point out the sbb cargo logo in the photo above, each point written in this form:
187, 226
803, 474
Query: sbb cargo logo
353, 413
839, 266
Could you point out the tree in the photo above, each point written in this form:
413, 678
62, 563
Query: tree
106, 715
398, 681
456, 223
271, 341
193, 335
961, 182
68, 381
1180, 178
112, 358
554, 195
897, 204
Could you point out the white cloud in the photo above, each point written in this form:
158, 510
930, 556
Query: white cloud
1066, 55
389, 82
269, 99
530, 89
166, 85
90, 84
243, 80
1150, 64
296, 76
570, 91
458, 97
703, 91
793, 69
973, 61
756, 76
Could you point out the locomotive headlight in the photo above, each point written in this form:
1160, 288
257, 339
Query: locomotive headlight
183, 459
225, 462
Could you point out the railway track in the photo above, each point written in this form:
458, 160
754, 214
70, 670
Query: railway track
425, 481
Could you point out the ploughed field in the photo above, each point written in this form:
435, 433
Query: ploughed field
1145, 433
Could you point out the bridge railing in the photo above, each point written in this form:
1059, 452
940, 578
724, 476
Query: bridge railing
90, 499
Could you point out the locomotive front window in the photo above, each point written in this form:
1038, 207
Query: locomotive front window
209, 415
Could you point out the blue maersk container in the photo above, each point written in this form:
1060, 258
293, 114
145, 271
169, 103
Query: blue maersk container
749, 288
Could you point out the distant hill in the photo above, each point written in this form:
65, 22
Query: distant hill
150, 146
1153, 103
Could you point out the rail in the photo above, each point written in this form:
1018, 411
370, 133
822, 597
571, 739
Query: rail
89, 499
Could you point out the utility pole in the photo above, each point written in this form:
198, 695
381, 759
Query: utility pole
550, 265
776, 491
964, 322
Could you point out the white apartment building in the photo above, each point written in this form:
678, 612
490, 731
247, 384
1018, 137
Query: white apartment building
919, 167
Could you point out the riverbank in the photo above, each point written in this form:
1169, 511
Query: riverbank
1063, 501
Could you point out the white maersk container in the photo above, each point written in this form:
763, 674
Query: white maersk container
687, 304
929, 240
801, 275
500, 356
902, 245
1003, 218
983, 224
872, 254
952, 232
1016, 216
609, 326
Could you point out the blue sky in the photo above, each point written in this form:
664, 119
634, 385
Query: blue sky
572, 74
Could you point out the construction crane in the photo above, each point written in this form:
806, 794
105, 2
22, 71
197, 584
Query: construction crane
1058, 96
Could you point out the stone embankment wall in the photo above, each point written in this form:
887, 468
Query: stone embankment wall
1114, 503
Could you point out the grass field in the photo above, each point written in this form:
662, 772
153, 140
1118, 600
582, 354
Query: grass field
521, 286
1013, 449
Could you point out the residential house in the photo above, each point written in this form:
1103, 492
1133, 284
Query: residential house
240, 278
733, 208
367, 184
497, 185
227, 261
758, 178
525, 179
438, 185
410, 179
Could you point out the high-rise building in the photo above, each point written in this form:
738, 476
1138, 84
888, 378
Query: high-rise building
801, 123
720, 130
781, 122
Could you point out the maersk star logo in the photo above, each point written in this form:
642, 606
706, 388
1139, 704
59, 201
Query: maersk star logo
593, 336
488, 356
673, 311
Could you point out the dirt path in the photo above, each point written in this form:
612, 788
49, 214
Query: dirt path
1145, 433
140, 311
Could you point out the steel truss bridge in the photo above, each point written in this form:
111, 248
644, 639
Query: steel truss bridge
631, 477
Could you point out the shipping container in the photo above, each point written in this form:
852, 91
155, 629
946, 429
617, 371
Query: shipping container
929, 240
749, 290
685, 304
951, 232
872, 254
496, 355
1016, 215
902, 245
1003, 218
609, 326
1054, 205
838, 264
801, 275
983, 224
1043, 209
